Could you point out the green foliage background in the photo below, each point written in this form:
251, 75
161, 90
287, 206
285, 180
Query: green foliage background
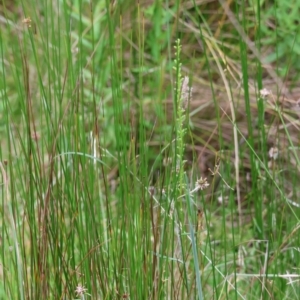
111, 187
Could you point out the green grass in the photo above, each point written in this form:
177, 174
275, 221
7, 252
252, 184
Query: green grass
135, 151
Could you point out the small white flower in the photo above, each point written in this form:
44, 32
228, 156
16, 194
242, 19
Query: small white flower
201, 184
220, 199
186, 92
264, 93
80, 290
27, 21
